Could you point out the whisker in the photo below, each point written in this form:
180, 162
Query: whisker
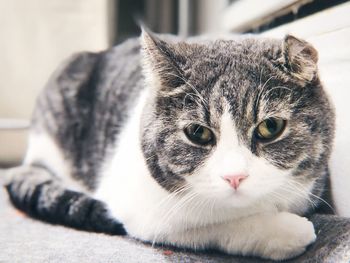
161, 205
315, 196
180, 204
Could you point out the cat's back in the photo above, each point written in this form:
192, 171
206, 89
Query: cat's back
82, 110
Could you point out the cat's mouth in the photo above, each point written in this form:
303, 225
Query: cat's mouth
238, 193
239, 199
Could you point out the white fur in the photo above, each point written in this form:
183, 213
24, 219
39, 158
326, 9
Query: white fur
264, 181
207, 212
255, 219
42, 148
126, 186
193, 217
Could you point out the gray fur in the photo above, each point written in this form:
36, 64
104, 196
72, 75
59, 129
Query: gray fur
252, 75
87, 103
34, 190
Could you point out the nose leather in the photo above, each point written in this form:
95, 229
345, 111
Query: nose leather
235, 180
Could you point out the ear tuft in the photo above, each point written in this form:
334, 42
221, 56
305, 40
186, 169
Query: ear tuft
300, 58
161, 59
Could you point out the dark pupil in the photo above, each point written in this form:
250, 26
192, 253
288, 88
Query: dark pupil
198, 132
271, 125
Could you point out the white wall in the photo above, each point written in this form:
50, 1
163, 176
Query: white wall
35, 36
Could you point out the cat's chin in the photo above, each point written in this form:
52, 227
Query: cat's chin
238, 198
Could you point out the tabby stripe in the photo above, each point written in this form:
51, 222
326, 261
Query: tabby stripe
48, 200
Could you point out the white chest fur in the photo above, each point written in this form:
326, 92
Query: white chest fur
126, 185
135, 198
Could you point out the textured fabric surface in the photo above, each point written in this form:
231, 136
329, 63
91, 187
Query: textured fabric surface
23, 239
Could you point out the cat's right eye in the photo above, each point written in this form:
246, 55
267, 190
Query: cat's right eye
199, 134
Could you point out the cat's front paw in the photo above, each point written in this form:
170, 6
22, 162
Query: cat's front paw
289, 238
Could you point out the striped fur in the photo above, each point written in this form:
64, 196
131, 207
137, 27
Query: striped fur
108, 150
38, 192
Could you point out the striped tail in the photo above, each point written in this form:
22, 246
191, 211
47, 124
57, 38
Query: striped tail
37, 192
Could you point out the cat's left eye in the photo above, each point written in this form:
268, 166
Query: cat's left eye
199, 134
270, 129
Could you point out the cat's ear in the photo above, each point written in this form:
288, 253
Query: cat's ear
161, 61
300, 58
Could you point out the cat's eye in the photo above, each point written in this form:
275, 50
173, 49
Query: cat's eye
199, 134
270, 129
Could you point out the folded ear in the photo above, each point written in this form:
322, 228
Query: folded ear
161, 61
300, 58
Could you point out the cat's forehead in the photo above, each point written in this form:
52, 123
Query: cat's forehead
234, 66
252, 77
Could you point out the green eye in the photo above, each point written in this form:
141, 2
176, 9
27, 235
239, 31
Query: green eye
199, 134
270, 129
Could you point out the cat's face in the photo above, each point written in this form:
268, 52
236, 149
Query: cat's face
238, 122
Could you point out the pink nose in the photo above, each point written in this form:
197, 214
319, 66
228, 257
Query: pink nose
235, 179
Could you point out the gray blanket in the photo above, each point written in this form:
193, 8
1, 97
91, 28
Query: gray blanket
23, 239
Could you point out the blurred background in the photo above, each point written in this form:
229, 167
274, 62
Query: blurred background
36, 35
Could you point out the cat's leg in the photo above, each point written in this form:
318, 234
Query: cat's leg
36, 191
271, 236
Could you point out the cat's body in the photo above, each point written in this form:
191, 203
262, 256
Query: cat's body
114, 129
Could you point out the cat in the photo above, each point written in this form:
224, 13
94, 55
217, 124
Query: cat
201, 144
